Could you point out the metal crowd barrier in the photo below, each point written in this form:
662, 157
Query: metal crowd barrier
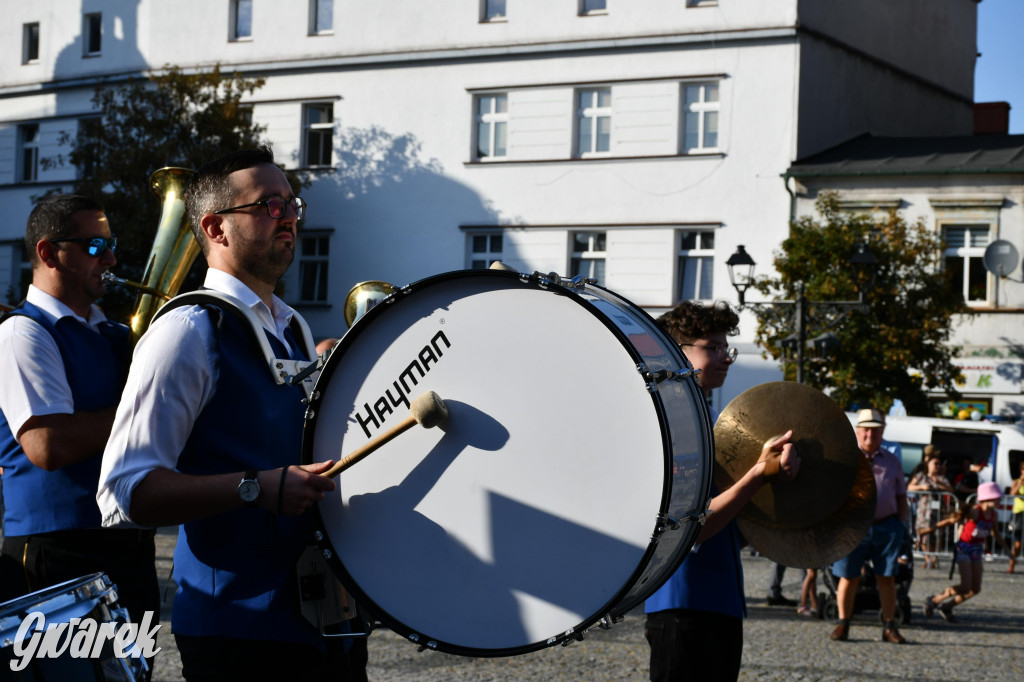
939, 540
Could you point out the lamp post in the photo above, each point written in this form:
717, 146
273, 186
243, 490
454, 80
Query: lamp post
741, 275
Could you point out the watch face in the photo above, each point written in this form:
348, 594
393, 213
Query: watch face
249, 491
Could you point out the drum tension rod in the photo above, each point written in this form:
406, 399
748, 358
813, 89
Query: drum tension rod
577, 283
666, 374
666, 522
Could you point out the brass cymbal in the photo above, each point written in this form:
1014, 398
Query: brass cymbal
829, 456
826, 542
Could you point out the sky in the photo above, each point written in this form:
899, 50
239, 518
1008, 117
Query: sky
999, 71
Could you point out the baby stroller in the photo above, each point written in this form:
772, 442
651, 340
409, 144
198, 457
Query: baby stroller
867, 598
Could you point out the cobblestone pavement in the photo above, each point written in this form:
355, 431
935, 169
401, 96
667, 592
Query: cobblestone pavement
987, 643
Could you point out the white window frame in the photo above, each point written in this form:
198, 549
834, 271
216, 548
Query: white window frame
234, 17
318, 131
317, 10
483, 248
88, 20
490, 12
590, 8
703, 110
589, 109
28, 42
19, 269
28, 152
970, 252
702, 257
595, 254
319, 262
488, 123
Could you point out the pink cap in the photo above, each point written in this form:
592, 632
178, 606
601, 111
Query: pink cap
988, 491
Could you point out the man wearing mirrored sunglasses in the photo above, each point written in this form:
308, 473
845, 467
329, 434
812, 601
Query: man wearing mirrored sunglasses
206, 438
63, 366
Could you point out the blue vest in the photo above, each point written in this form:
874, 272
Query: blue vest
709, 579
235, 571
40, 501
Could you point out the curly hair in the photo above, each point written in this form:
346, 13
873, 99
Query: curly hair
691, 320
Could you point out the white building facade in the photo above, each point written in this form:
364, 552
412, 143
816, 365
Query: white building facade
637, 142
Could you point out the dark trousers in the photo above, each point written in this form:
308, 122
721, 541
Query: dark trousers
33, 562
224, 659
694, 645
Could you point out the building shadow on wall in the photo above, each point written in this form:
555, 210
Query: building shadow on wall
399, 214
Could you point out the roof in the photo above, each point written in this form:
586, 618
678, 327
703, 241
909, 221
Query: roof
870, 155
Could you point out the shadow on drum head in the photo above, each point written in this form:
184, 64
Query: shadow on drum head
426, 570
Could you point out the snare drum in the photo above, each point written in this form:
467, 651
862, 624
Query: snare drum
90, 597
563, 487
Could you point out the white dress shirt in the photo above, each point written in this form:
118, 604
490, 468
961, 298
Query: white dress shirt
34, 381
172, 378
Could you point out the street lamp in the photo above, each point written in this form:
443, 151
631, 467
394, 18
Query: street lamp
864, 265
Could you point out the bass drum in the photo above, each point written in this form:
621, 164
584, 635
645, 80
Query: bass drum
562, 489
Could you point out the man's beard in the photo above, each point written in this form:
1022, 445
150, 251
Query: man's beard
270, 267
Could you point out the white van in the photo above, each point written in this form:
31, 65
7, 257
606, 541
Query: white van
999, 445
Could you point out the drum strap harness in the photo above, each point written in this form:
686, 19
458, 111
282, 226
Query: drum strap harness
284, 370
324, 603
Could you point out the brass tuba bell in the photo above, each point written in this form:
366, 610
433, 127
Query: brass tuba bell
364, 296
174, 250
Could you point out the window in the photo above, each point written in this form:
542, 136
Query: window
318, 124
700, 117
593, 7
28, 152
701, 3
241, 19
90, 130
313, 259
492, 10
588, 255
30, 43
484, 249
594, 122
696, 265
321, 17
963, 257
92, 32
15, 272
491, 126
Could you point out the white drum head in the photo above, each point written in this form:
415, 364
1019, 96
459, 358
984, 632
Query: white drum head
532, 508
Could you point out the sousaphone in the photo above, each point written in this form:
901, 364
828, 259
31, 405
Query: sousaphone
824, 513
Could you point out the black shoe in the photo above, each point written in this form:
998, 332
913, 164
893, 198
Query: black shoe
946, 611
779, 601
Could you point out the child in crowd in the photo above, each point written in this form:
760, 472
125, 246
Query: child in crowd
980, 524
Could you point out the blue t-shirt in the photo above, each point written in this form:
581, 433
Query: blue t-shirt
709, 579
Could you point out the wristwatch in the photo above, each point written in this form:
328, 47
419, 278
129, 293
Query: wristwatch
249, 488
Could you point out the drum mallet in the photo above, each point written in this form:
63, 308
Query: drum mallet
428, 410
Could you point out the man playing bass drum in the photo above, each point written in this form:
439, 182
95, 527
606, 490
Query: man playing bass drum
206, 438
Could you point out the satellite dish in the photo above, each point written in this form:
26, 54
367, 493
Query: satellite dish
1000, 258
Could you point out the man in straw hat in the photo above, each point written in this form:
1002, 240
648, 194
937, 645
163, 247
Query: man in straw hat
885, 536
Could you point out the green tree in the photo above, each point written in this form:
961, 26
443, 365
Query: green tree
170, 119
895, 345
